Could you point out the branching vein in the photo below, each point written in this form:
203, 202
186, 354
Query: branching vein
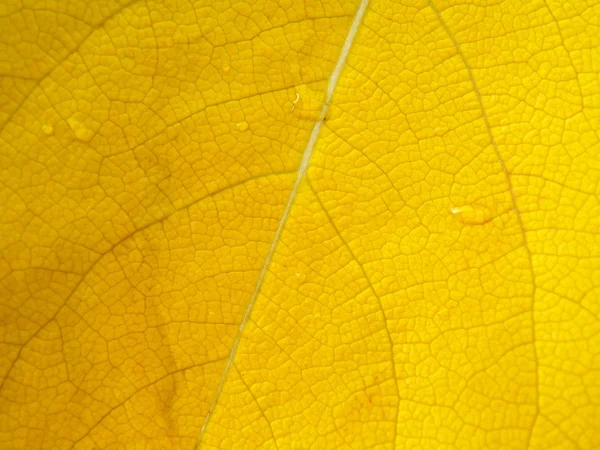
302, 168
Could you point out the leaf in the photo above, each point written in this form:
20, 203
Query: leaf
285, 224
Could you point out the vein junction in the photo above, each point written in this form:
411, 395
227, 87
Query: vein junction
302, 168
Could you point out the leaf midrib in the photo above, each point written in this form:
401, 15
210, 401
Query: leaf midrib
302, 169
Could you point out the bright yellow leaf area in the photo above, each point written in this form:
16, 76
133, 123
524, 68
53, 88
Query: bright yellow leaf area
177, 273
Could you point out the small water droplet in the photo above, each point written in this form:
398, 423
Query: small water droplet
242, 126
443, 313
298, 279
79, 130
48, 129
226, 69
295, 101
472, 214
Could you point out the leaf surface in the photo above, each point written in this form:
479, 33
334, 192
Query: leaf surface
281, 224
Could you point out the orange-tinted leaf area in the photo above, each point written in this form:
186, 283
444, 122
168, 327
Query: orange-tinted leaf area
303, 224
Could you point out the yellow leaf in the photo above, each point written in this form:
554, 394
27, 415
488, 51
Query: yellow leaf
279, 224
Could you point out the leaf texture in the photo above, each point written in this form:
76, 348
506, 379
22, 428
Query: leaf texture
277, 224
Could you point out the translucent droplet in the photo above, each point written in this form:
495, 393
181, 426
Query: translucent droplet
443, 313
242, 126
472, 214
295, 101
48, 129
79, 130
297, 279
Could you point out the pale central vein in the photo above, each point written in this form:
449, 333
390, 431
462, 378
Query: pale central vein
302, 168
